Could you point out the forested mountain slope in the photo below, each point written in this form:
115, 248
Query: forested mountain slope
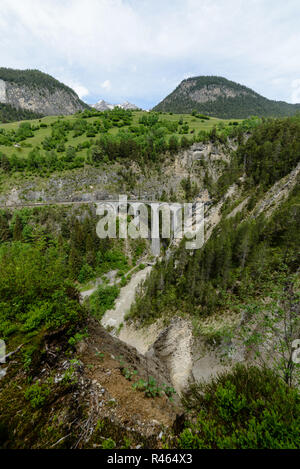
240, 255
217, 96
37, 92
9, 113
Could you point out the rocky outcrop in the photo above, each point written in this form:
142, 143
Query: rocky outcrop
277, 193
40, 99
210, 92
173, 348
94, 184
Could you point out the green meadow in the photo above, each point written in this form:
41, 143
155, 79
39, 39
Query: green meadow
190, 128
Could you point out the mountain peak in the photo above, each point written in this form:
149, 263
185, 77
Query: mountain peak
105, 106
220, 97
102, 105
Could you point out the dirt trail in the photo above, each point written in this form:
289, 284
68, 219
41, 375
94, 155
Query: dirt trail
111, 277
141, 339
99, 281
115, 317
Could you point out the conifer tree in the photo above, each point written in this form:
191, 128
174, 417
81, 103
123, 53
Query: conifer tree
4, 229
18, 228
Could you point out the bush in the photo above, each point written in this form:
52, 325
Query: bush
103, 299
34, 290
37, 395
86, 273
109, 444
247, 408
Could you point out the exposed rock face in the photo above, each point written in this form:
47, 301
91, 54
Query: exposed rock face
173, 347
2, 92
39, 99
210, 92
95, 184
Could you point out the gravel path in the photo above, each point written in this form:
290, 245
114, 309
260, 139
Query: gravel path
115, 317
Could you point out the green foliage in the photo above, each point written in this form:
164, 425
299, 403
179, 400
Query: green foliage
9, 113
86, 273
271, 152
247, 408
29, 300
78, 337
39, 268
151, 387
94, 138
228, 402
33, 79
128, 373
37, 394
190, 189
112, 259
109, 444
100, 355
103, 299
69, 378
278, 323
169, 391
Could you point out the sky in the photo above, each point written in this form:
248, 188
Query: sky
140, 50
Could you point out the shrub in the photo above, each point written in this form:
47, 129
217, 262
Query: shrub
37, 395
109, 444
86, 273
103, 299
246, 408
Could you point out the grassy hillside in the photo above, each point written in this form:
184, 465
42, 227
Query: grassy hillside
91, 137
217, 96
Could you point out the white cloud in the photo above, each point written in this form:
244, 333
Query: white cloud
82, 91
295, 98
136, 42
106, 85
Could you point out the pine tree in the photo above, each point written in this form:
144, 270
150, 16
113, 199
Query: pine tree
90, 250
18, 228
4, 229
75, 261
